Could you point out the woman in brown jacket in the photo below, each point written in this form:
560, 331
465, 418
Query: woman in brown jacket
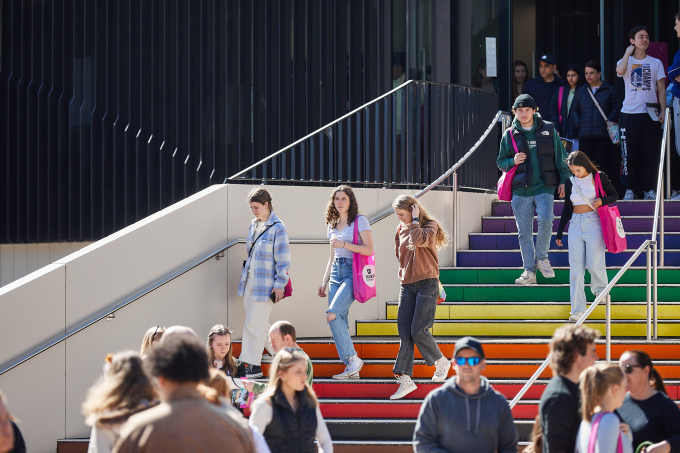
418, 238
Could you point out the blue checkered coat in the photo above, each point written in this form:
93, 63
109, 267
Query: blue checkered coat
271, 258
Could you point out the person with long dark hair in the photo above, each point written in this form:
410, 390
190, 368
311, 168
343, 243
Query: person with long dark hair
519, 77
651, 415
586, 121
341, 213
586, 243
561, 102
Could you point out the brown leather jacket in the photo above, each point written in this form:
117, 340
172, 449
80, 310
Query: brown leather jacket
415, 247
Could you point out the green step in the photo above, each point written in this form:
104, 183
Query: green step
539, 311
517, 328
551, 293
508, 276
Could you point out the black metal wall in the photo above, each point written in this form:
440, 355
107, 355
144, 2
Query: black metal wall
114, 109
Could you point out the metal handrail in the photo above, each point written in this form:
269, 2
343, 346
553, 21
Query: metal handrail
658, 206
321, 129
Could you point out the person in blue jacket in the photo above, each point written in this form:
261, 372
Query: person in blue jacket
542, 87
586, 121
560, 104
674, 77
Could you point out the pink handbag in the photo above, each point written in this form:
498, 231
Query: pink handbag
612, 227
363, 271
504, 186
595, 423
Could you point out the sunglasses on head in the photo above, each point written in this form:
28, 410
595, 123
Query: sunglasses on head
472, 361
153, 337
628, 368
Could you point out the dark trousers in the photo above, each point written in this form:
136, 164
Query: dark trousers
598, 151
417, 307
640, 141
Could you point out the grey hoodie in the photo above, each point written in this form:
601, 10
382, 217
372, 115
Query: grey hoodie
452, 421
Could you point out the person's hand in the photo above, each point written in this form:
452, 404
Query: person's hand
218, 363
321, 292
661, 447
661, 118
248, 385
278, 294
625, 429
630, 50
415, 210
558, 242
337, 243
519, 158
597, 203
560, 191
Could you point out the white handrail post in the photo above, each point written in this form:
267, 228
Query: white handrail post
608, 327
649, 293
454, 232
662, 228
656, 284
669, 118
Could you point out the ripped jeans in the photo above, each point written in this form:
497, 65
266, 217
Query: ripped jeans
340, 298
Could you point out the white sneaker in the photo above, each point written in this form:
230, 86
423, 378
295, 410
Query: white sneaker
527, 278
442, 372
629, 195
406, 386
352, 369
675, 195
545, 268
650, 195
576, 316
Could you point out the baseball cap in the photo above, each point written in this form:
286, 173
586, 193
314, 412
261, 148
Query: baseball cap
524, 100
469, 342
547, 58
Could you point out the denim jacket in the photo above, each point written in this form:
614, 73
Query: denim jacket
271, 258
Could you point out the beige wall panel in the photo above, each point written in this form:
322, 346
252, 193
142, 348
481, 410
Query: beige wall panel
6, 264
31, 258
32, 311
117, 267
35, 391
197, 299
19, 260
473, 207
43, 255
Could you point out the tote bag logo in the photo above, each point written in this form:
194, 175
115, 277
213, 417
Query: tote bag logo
619, 228
369, 275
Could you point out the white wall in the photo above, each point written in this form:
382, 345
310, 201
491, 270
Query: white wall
46, 393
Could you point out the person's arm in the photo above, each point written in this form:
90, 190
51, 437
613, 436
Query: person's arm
426, 432
281, 256
558, 417
575, 115
561, 163
261, 445
507, 433
422, 234
567, 211
396, 243
609, 189
661, 90
366, 238
323, 437
20, 444
553, 110
506, 153
321, 292
258, 387
617, 104
261, 415
310, 372
622, 65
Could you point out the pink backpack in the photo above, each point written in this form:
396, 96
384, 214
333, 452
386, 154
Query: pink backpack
363, 271
593, 434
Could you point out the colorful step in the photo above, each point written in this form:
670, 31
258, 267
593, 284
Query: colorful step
626, 208
510, 241
559, 257
506, 224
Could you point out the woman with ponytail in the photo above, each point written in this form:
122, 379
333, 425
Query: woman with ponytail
603, 388
647, 409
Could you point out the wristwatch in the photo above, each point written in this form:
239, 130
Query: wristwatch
415, 219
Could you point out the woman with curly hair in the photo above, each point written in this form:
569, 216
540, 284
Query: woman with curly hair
123, 391
419, 237
341, 213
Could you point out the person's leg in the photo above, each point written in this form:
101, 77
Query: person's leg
341, 297
523, 209
423, 319
628, 140
588, 148
577, 262
650, 147
675, 157
544, 212
407, 305
602, 146
255, 329
595, 253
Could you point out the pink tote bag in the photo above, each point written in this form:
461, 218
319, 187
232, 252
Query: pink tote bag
612, 227
363, 271
504, 186
592, 441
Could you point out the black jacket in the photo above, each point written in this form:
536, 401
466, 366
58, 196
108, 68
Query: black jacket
611, 197
585, 120
291, 432
554, 113
546, 156
542, 92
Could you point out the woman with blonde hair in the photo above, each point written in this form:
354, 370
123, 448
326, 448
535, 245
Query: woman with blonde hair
151, 338
419, 236
603, 388
123, 391
341, 213
287, 413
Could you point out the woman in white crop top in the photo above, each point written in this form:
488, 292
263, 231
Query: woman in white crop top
586, 243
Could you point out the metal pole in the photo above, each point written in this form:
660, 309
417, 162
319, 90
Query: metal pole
454, 233
608, 327
668, 162
649, 293
662, 228
656, 285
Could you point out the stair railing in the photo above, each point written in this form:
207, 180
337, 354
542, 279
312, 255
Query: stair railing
648, 246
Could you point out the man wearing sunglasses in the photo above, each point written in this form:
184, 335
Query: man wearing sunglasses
465, 414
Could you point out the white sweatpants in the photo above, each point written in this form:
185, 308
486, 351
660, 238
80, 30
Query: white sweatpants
256, 327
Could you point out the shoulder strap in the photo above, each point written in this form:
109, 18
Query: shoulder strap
258, 237
580, 194
597, 104
594, 425
598, 185
559, 104
512, 137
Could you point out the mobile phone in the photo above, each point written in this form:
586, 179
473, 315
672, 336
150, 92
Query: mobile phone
272, 296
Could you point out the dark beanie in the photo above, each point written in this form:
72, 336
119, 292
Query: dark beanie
524, 100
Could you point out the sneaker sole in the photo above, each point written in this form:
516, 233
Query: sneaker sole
254, 376
394, 397
548, 276
346, 377
525, 283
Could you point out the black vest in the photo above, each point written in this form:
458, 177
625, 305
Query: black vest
546, 156
291, 432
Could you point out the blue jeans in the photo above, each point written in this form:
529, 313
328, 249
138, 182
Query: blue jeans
586, 250
340, 298
523, 208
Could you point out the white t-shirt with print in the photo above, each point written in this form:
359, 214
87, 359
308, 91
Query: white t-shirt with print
640, 81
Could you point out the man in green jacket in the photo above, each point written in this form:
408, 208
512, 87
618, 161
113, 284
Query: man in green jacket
541, 168
281, 336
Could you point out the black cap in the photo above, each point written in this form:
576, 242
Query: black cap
524, 100
549, 59
469, 342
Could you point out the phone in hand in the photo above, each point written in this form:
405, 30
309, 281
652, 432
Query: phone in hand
272, 296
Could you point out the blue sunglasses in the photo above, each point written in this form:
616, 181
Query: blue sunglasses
472, 361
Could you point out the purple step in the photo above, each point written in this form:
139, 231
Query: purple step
626, 208
511, 242
468, 258
630, 224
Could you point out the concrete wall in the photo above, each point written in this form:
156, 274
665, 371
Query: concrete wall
19, 260
71, 290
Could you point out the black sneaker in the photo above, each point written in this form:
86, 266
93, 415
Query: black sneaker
253, 372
